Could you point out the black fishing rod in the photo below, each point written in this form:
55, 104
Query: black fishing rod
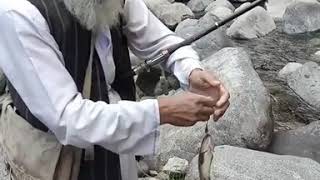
165, 54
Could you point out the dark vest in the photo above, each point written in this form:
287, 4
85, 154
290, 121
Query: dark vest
74, 43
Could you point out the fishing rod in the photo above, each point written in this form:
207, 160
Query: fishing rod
165, 54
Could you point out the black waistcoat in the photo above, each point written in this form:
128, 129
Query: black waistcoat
74, 43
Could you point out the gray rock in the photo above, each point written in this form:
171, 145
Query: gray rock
244, 5
277, 8
155, 4
232, 163
305, 81
171, 14
253, 24
246, 123
301, 17
317, 53
221, 12
209, 44
148, 178
176, 165
143, 168
288, 69
304, 142
220, 3
198, 6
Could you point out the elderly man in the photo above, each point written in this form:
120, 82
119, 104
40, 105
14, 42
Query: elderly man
71, 109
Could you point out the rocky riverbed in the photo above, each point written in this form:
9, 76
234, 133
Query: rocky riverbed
269, 61
276, 110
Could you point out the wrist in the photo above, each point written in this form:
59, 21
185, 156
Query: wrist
164, 109
193, 74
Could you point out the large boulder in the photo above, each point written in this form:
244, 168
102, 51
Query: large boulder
170, 14
305, 81
199, 6
209, 44
221, 12
253, 24
298, 91
304, 142
232, 163
277, 8
220, 3
301, 17
246, 123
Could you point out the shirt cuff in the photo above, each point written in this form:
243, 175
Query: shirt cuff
185, 61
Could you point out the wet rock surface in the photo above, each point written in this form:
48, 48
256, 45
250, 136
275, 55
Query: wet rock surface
232, 163
303, 142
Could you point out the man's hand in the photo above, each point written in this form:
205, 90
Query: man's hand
204, 83
185, 109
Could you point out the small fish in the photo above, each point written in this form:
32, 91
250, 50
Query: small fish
205, 156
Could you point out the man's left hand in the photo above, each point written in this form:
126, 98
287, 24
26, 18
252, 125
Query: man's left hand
204, 83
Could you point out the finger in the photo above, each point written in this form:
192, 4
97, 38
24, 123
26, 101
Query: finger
189, 123
207, 111
185, 123
204, 118
224, 97
206, 101
220, 112
210, 79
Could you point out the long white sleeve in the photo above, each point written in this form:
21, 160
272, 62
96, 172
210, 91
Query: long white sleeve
147, 35
33, 63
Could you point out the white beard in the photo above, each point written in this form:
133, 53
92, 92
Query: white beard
93, 15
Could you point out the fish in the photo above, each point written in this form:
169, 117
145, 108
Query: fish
205, 156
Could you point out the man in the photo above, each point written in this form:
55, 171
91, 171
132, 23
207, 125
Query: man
65, 60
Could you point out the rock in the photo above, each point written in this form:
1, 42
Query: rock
220, 3
163, 176
143, 168
176, 165
162, 87
147, 81
277, 8
148, 178
244, 5
232, 163
154, 4
153, 173
221, 12
198, 6
171, 14
288, 69
301, 17
246, 123
253, 24
209, 44
304, 142
305, 81
317, 53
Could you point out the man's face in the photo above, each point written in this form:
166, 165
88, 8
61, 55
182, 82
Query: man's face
95, 13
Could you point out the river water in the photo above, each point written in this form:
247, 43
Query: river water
269, 55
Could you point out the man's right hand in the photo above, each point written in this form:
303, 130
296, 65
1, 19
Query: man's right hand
185, 109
